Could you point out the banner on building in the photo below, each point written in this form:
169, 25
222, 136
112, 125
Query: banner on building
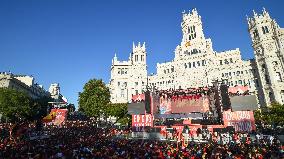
238, 89
242, 121
138, 98
142, 120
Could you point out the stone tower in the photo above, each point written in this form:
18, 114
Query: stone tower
267, 42
129, 77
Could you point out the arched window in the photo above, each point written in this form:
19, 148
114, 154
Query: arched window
271, 97
282, 96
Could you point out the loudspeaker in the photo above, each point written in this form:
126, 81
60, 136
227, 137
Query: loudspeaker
148, 102
196, 121
225, 97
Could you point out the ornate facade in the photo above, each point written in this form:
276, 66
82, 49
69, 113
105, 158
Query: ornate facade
268, 43
196, 64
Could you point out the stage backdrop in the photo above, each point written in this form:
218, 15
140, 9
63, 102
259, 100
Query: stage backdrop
242, 121
188, 104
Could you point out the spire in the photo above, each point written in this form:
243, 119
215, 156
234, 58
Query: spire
133, 45
254, 14
115, 57
143, 46
263, 10
139, 44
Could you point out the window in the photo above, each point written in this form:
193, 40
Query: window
221, 62
240, 82
226, 74
256, 83
275, 62
263, 67
142, 59
267, 79
255, 33
118, 83
226, 61
168, 70
125, 84
265, 29
122, 93
198, 63
165, 71
222, 74
282, 96
136, 92
189, 65
203, 62
119, 71
271, 97
172, 69
136, 83
278, 77
193, 64
231, 60
125, 72
191, 32
143, 83
238, 73
185, 65
136, 58
229, 73
122, 71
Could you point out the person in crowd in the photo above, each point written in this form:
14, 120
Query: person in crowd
83, 140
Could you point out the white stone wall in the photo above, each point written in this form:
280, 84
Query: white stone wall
196, 64
129, 77
8, 80
268, 43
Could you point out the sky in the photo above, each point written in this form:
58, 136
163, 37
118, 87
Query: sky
72, 41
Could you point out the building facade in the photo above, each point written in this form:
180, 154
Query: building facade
129, 77
23, 83
197, 64
268, 44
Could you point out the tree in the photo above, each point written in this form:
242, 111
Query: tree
94, 99
14, 104
39, 108
118, 110
272, 115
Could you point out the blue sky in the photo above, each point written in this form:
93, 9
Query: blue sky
72, 41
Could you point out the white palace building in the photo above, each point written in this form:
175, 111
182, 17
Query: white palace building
196, 64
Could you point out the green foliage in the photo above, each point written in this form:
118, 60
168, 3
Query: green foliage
14, 105
94, 99
39, 108
272, 115
119, 110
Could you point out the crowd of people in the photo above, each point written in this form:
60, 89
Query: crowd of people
84, 140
